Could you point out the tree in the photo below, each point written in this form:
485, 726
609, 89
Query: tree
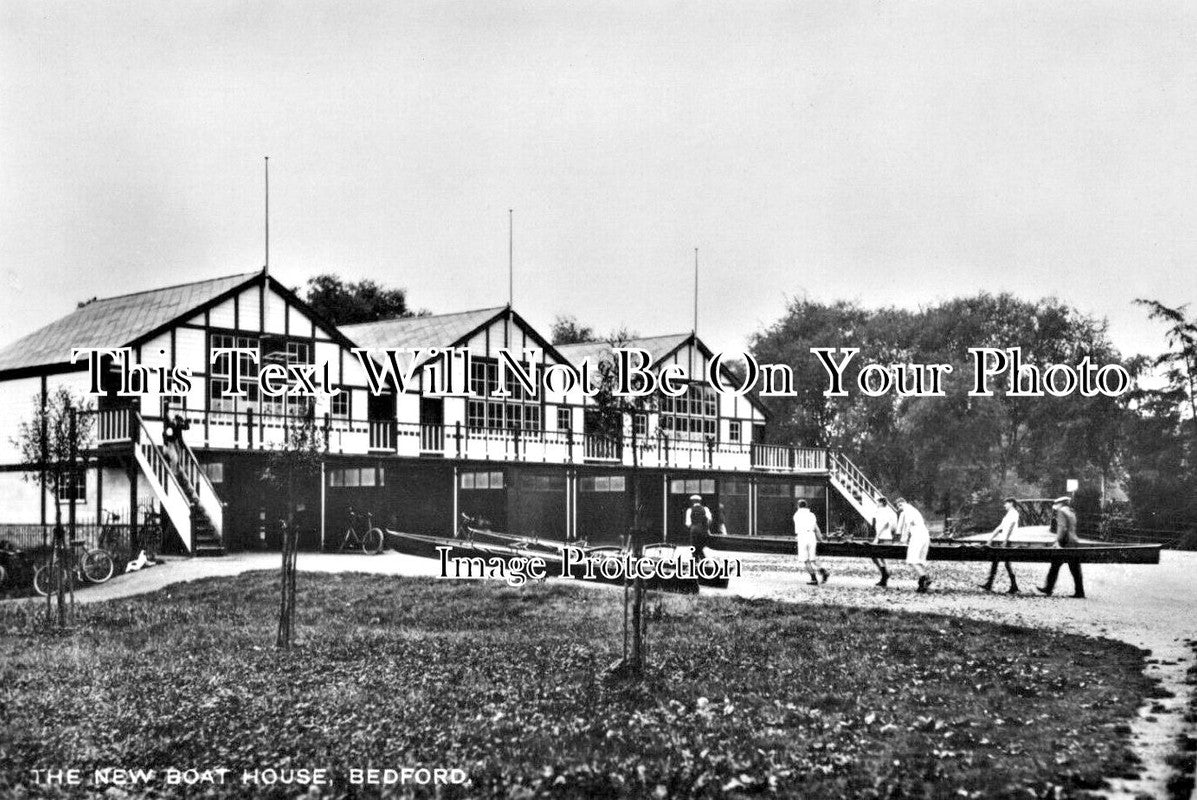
567, 330
344, 303
607, 418
1160, 448
945, 450
1179, 362
299, 459
50, 443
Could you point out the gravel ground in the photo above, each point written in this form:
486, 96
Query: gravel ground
1150, 606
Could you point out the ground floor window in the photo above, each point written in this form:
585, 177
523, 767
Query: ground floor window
734, 487
542, 483
350, 477
692, 486
482, 480
215, 471
603, 483
73, 487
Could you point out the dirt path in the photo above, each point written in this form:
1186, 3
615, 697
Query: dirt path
1153, 607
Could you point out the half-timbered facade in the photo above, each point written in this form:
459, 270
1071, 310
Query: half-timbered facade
418, 453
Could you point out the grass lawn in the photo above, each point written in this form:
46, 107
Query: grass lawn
508, 684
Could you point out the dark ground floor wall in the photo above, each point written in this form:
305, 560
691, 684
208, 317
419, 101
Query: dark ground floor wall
594, 503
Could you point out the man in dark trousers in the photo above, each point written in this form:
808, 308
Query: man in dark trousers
1065, 537
1007, 526
698, 523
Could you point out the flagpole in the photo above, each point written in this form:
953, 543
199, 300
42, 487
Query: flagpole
510, 257
695, 290
266, 268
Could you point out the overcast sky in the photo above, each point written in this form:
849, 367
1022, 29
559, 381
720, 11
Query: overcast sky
890, 152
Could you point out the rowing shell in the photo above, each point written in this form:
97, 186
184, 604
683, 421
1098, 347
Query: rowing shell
952, 550
549, 552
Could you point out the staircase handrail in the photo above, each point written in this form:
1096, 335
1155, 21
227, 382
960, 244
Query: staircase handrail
164, 477
205, 491
841, 464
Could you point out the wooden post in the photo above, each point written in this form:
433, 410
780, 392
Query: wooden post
135, 438
67, 554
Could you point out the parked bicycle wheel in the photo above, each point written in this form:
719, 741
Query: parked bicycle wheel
97, 565
372, 542
47, 578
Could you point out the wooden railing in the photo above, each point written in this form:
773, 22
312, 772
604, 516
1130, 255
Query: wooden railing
205, 492
248, 430
432, 439
857, 485
113, 425
382, 435
603, 448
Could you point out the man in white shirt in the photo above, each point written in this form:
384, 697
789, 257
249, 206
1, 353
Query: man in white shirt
806, 529
918, 541
885, 528
1007, 526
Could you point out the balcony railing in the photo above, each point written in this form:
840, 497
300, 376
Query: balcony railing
223, 430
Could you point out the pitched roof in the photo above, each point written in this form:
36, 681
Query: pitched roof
657, 346
113, 321
437, 330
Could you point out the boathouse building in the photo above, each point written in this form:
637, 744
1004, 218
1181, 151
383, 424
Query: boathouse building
414, 458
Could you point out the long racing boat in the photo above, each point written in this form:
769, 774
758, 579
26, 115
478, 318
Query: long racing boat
597, 564
1088, 552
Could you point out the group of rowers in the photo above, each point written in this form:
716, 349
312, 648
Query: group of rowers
904, 523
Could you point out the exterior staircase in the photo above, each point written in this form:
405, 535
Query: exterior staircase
186, 495
853, 485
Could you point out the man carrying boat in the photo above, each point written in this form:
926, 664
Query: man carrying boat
918, 540
698, 523
1008, 525
885, 528
806, 529
1065, 537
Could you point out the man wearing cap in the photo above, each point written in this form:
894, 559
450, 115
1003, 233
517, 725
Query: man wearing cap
918, 540
1065, 537
698, 523
806, 529
1008, 525
885, 528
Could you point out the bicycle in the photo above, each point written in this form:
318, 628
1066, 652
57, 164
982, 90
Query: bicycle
370, 542
92, 566
110, 532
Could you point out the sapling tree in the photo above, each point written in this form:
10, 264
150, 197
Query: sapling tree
51, 442
607, 417
296, 461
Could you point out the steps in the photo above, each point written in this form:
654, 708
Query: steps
853, 485
205, 540
186, 495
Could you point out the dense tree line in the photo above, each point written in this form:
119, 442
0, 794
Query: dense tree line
955, 450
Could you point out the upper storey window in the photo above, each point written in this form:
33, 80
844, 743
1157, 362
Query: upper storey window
691, 416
